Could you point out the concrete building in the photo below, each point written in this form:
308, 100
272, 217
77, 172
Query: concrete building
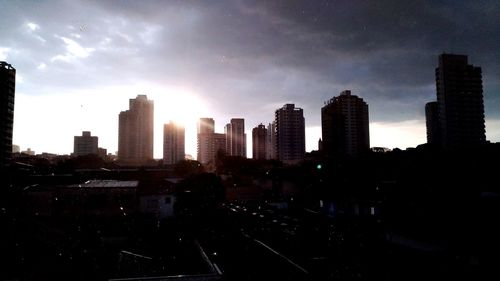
173, 143
135, 135
259, 142
28, 152
205, 140
7, 95
271, 141
460, 109
102, 152
345, 127
85, 144
290, 134
236, 137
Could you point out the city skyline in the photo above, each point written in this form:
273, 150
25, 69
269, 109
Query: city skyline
192, 60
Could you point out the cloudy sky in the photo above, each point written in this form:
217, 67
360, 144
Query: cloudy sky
78, 63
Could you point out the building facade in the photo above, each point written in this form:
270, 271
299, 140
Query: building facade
85, 144
236, 137
135, 134
259, 142
290, 133
7, 95
271, 141
173, 143
205, 139
345, 126
459, 89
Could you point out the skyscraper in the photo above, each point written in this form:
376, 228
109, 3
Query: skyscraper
259, 142
290, 133
271, 141
205, 141
173, 143
236, 137
459, 90
135, 135
85, 144
7, 95
344, 124
432, 123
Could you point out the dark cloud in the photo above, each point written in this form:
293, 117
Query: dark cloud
247, 57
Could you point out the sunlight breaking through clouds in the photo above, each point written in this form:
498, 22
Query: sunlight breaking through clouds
33, 26
73, 51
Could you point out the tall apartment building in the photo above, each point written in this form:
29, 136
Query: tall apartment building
205, 138
135, 133
173, 143
7, 95
85, 144
271, 141
344, 125
290, 133
460, 107
236, 137
432, 123
259, 142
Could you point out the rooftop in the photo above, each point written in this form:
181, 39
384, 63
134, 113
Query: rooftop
106, 184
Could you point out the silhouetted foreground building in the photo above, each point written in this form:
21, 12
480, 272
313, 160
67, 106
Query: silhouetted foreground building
85, 144
7, 95
460, 108
290, 133
259, 142
135, 133
432, 123
173, 143
345, 127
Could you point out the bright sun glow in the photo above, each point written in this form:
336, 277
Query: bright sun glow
179, 106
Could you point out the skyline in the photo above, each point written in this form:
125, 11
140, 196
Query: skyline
193, 53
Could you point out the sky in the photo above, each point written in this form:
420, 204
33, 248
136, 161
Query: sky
79, 62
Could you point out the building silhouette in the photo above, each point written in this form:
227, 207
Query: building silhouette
135, 134
345, 127
271, 141
236, 137
432, 123
460, 108
173, 143
290, 134
205, 141
85, 144
7, 95
259, 142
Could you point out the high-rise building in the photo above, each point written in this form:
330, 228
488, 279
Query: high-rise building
344, 124
432, 123
459, 90
271, 141
290, 133
7, 95
173, 143
259, 142
135, 135
219, 145
85, 144
205, 140
236, 137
